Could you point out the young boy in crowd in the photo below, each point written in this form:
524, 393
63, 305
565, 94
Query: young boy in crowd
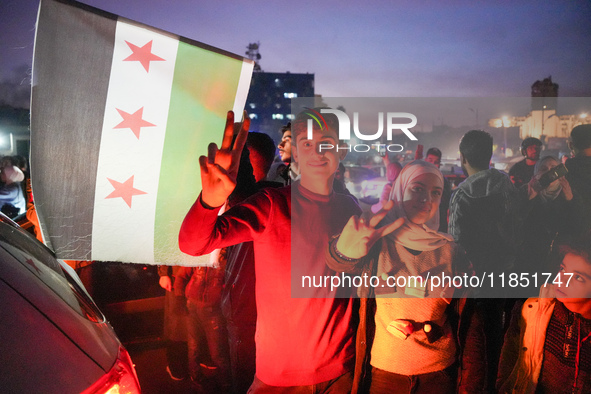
303, 342
547, 348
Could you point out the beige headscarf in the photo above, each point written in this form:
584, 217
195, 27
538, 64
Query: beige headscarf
422, 237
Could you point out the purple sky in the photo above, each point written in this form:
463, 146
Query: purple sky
374, 48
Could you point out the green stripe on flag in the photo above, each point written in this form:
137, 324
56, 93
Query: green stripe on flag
196, 117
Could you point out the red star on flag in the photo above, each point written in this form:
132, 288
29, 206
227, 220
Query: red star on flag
124, 190
133, 121
143, 55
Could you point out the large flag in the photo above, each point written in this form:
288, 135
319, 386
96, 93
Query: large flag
120, 113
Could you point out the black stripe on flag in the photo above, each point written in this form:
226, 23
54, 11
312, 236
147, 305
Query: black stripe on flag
71, 67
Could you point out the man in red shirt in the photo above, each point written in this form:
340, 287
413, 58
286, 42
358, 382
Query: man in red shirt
300, 341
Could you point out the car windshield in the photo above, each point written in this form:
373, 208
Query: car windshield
37, 259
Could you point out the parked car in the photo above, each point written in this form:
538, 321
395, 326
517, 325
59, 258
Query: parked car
128, 295
356, 178
131, 298
54, 339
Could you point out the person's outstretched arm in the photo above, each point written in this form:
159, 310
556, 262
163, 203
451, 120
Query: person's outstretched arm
357, 238
219, 170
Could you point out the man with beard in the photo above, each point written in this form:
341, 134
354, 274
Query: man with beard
523, 171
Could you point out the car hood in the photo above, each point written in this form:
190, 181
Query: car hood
62, 312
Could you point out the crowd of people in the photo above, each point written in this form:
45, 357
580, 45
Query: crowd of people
252, 325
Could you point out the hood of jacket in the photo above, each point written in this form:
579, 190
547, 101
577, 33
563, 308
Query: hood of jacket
580, 167
486, 183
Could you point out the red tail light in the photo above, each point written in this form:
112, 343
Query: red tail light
121, 378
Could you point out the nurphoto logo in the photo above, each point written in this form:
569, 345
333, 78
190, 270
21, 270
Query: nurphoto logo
392, 123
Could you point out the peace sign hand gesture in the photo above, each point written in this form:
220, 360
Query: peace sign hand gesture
220, 168
358, 237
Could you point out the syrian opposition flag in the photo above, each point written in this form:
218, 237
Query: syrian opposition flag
120, 113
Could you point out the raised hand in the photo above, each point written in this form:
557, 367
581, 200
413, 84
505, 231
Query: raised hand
165, 282
220, 167
358, 236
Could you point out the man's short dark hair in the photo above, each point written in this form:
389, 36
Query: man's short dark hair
285, 128
300, 124
434, 152
579, 245
581, 137
263, 144
476, 146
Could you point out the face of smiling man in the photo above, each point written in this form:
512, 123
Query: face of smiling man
317, 162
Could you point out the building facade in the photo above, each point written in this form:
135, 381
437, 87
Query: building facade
269, 99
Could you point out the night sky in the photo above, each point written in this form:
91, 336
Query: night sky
378, 48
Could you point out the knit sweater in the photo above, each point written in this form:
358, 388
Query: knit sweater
299, 341
462, 314
390, 353
530, 338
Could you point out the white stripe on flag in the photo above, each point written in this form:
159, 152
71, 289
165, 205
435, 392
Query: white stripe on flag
121, 232
243, 87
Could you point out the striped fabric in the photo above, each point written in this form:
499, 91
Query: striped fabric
120, 114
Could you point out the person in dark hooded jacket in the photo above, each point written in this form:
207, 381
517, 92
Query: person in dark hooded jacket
483, 219
579, 174
481, 212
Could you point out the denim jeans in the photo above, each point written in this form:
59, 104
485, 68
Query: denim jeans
208, 345
434, 382
242, 356
339, 385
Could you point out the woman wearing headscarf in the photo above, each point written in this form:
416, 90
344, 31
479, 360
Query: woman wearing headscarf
411, 338
549, 215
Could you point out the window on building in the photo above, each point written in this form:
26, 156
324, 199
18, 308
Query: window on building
291, 116
253, 116
277, 116
252, 105
290, 95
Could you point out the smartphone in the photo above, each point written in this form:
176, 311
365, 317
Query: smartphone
553, 174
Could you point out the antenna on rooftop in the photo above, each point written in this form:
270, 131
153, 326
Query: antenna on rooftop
253, 54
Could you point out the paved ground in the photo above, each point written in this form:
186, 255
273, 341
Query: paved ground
150, 365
